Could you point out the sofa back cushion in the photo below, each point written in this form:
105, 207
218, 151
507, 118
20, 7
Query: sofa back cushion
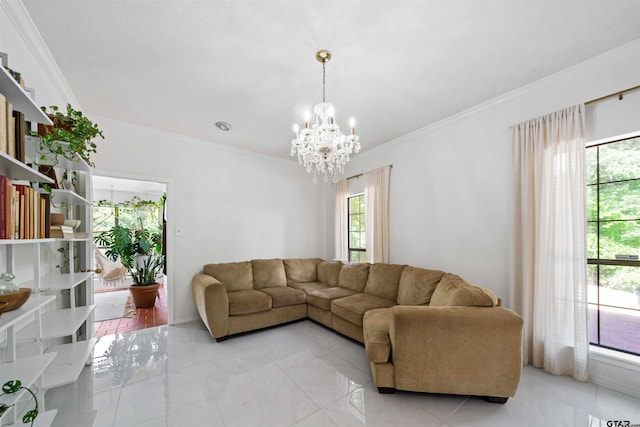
234, 276
383, 280
417, 285
301, 270
268, 273
455, 291
354, 276
329, 272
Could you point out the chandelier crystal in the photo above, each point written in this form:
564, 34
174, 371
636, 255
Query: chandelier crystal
321, 147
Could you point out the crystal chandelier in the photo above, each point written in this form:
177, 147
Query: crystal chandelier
321, 147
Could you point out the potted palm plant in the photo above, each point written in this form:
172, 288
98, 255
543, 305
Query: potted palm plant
140, 253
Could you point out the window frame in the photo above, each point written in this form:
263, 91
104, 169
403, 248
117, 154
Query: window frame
598, 262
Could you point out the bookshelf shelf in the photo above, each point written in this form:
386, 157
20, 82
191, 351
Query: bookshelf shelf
69, 197
77, 163
59, 323
19, 171
68, 363
58, 282
20, 99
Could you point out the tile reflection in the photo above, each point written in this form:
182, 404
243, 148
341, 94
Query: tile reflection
293, 375
131, 356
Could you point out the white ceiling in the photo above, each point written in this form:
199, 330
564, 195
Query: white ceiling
397, 65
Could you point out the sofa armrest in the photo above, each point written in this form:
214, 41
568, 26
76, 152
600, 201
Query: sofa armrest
212, 303
457, 350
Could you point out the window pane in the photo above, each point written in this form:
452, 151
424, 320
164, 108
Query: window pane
354, 240
356, 223
592, 240
620, 200
103, 218
592, 165
619, 238
592, 203
592, 284
620, 328
354, 205
620, 160
617, 285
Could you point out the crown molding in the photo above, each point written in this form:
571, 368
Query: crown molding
614, 56
26, 28
202, 142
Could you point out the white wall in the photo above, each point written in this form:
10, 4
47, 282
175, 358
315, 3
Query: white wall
231, 205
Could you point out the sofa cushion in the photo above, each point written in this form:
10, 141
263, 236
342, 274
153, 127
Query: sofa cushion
309, 287
234, 276
354, 276
329, 272
455, 291
246, 302
268, 273
375, 328
352, 308
383, 280
322, 297
284, 295
301, 269
417, 285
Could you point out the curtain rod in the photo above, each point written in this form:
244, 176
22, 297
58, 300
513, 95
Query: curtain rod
360, 174
619, 94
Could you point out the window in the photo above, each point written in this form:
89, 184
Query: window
356, 224
613, 244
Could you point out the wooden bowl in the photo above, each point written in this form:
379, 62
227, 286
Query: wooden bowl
14, 300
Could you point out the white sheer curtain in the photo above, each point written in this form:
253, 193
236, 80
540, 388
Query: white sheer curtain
376, 195
342, 249
549, 240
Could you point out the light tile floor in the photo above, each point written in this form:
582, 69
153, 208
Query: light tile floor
300, 374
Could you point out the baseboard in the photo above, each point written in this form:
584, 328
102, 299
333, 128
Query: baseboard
615, 370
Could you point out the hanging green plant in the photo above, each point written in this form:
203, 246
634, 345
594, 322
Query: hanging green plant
72, 133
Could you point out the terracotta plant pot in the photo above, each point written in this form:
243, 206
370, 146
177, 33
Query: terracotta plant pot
144, 296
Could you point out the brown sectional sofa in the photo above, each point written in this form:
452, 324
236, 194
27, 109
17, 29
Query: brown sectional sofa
423, 330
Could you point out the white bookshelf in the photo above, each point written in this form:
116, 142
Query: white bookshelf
47, 342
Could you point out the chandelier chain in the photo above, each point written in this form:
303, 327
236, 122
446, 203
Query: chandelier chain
324, 83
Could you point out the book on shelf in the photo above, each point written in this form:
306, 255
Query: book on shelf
11, 130
24, 211
4, 126
20, 130
5, 207
60, 231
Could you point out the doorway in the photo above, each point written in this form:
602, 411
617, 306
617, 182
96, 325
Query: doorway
135, 204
